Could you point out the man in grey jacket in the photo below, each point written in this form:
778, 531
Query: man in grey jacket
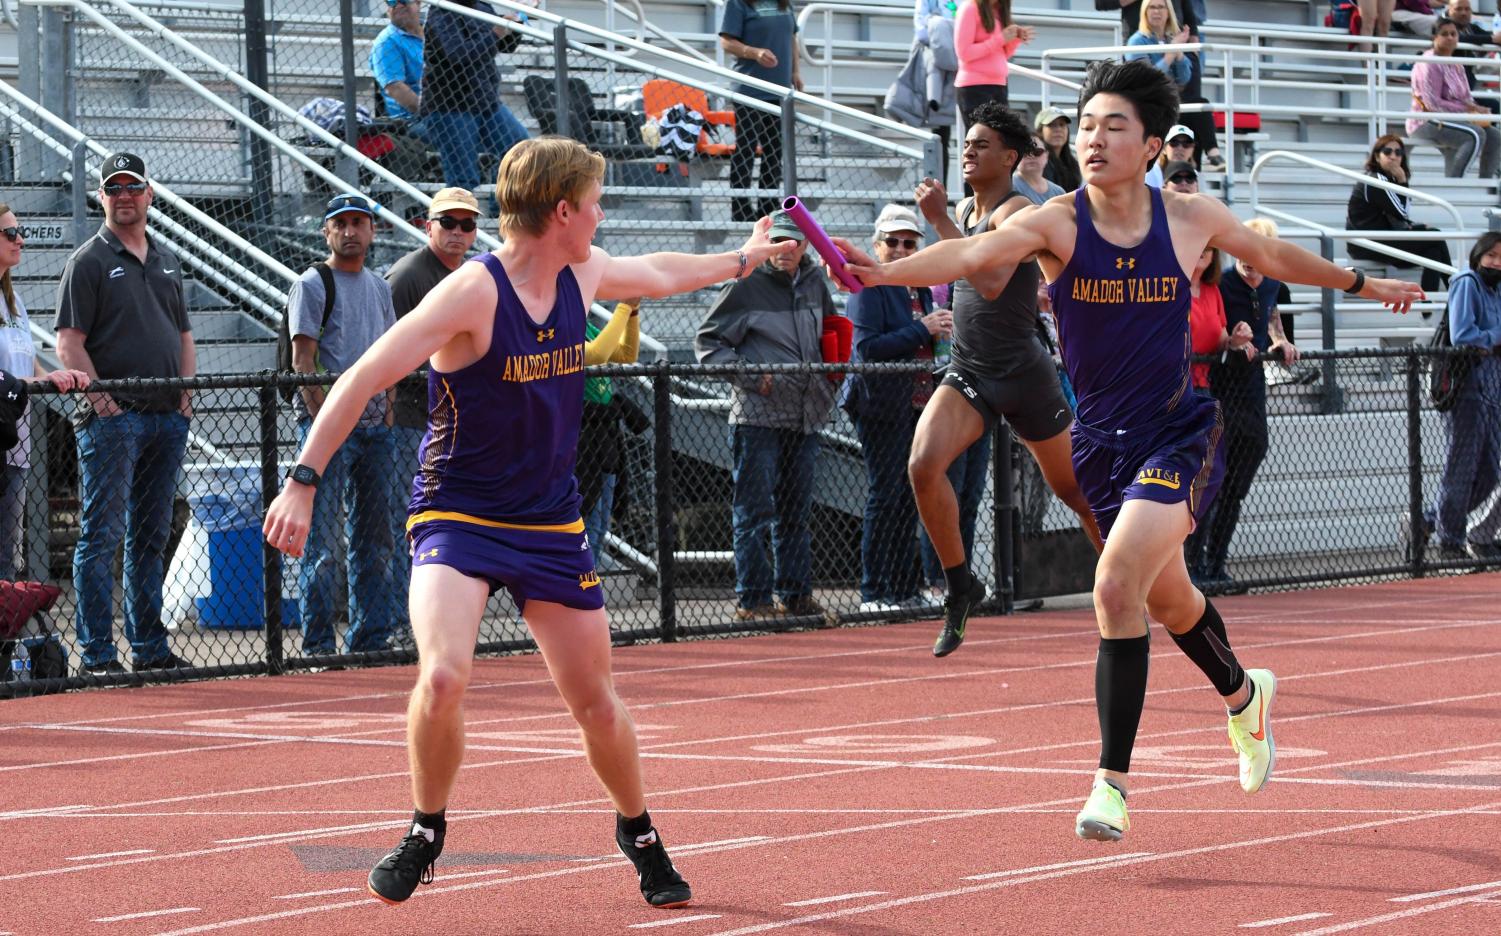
773, 316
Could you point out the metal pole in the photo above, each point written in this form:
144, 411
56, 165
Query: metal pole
270, 557
789, 146
31, 154
1414, 468
1330, 395
38, 504
80, 192
560, 78
667, 527
349, 171
258, 71
53, 93
1004, 512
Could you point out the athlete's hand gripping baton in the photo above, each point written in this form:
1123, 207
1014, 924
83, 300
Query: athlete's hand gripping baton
820, 242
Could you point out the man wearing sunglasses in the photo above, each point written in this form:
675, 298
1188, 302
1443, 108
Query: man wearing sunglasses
329, 333
121, 313
452, 224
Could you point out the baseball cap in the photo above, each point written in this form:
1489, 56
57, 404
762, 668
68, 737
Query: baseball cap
350, 201
127, 164
1178, 167
451, 199
896, 218
782, 225
1047, 115
1178, 130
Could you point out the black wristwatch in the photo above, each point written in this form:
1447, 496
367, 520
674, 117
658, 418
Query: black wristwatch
302, 474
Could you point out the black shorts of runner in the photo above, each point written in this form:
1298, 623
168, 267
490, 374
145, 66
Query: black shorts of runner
1029, 398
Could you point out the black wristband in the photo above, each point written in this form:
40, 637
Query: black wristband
1359, 284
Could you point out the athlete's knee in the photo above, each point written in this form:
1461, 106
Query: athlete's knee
925, 471
1117, 595
598, 713
441, 686
1178, 612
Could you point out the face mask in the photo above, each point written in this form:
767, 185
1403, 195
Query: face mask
1490, 276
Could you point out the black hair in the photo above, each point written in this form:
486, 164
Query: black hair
1483, 246
1013, 130
1373, 159
1443, 21
1149, 89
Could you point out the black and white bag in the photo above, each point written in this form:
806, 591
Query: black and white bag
679, 128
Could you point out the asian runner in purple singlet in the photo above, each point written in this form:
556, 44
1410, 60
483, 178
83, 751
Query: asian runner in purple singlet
1145, 449
495, 503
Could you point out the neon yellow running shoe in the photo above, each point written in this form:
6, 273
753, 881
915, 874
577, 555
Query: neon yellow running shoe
1103, 817
1251, 732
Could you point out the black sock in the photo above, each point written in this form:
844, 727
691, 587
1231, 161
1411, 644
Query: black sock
1250, 697
959, 579
1209, 648
1120, 691
633, 827
437, 821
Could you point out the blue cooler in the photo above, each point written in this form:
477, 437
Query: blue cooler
237, 578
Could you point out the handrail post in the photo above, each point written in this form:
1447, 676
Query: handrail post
349, 170
1330, 395
560, 78
262, 180
31, 155
1229, 127
667, 526
80, 193
1004, 515
1414, 467
270, 556
789, 145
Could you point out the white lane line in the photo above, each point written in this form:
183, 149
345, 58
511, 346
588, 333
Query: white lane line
679, 848
1107, 859
118, 854
470, 874
834, 899
1400, 915
144, 914
673, 921
1467, 889
1282, 920
322, 893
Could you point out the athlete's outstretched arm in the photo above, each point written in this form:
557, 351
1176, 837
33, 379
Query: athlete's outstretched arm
667, 274
1021, 236
1290, 263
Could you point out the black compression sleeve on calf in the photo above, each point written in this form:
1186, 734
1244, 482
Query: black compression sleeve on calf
1120, 691
1209, 648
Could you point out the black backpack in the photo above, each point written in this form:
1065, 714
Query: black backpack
284, 332
1447, 373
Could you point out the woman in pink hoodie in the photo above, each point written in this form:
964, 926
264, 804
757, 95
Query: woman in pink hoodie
984, 40
1442, 88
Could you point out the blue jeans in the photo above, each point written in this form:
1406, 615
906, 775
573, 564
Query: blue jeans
407, 450
127, 475
967, 475
358, 478
773, 496
597, 524
888, 548
460, 138
1473, 428
12, 507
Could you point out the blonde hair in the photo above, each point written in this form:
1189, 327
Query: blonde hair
6, 288
1172, 19
1266, 227
536, 174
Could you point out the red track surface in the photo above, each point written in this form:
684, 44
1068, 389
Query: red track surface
831, 782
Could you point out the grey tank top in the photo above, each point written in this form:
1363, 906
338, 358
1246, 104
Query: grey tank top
996, 337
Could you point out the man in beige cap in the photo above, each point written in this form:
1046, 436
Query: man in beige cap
452, 223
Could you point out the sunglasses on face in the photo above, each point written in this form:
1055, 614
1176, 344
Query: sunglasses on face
1180, 142
1389, 151
12, 233
397, 3
467, 225
1182, 180
115, 188
895, 242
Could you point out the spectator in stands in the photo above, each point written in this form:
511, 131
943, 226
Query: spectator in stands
1181, 177
1372, 208
121, 312
462, 114
936, 37
773, 316
1417, 16
1178, 147
1473, 425
330, 334
1473, 34
985, 38
452, 224
762, 36
1375, 19
1442, 88
396, 59
1063, 166
1239, 383
892, 323
1029, 178
1159, 26
1189, 12
1206, 318
18, 359
601, 462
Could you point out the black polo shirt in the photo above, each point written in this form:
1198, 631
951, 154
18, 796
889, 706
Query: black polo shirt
132, 314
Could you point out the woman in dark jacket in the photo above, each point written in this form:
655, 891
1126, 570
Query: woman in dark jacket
1373, 208
892, 323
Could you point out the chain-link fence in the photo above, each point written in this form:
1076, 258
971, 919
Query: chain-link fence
147, 524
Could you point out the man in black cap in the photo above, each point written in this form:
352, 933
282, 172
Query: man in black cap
1180, 176
121, 313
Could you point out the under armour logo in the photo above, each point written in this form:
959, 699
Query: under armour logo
121, 162
544, 334
430, 554
1124, 263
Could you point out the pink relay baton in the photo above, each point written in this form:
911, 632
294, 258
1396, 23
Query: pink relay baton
820, 241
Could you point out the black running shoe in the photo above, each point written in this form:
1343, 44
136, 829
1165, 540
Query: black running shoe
395, 877
661, 884
956, 611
